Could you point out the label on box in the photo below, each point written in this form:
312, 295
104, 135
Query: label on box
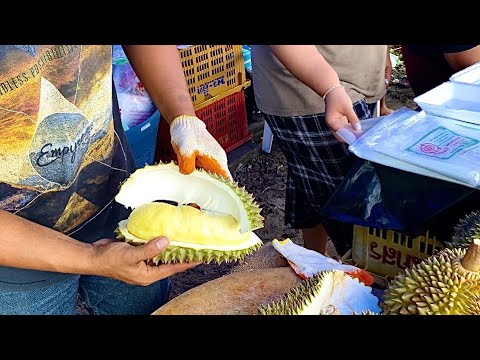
442, 143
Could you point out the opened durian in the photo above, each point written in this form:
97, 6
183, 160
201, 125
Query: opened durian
447, 283
212, 220
465, 230
327, 292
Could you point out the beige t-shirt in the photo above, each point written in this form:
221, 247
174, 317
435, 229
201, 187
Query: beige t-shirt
361, 69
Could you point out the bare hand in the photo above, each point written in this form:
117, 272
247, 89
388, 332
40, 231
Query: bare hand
339, 111
122, 261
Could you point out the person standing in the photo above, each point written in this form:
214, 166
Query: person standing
297, 87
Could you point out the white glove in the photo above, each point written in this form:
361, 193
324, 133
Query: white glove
196, 147
307, 262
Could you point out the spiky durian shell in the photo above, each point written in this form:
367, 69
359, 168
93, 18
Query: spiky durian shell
296, 299
466, 229
137, 190
174, 254
320, 289
250, 218
438, 285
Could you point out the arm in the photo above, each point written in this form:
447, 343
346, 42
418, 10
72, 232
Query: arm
27, 245
460, 60
388, 68
306, 64
384, 109
160, 70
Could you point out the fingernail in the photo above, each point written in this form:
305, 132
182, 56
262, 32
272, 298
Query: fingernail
161, 243
386, 81
357, 126
346, 135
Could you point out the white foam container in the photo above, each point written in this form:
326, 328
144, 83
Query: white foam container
453, 100
469, 75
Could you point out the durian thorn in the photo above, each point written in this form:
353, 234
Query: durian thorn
471, 260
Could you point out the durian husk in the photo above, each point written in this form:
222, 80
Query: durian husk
163, 181
179, 254
444, 284
325, 293
215, 195
466, 230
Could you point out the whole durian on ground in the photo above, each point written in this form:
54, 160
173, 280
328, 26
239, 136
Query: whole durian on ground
447, 283
325, 293
466, 229
219, 228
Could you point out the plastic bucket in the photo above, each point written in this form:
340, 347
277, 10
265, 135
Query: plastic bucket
143, 140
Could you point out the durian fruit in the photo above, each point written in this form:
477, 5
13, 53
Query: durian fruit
218, 227
465, 230
445, 283
327, 292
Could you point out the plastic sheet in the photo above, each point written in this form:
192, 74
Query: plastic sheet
383, 197
135, 104
425, 144
386, 189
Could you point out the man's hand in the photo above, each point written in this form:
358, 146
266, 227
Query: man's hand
196, 147
127, 263
339, 112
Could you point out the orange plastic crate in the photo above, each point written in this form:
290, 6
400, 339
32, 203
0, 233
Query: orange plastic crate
212, 69
226, 120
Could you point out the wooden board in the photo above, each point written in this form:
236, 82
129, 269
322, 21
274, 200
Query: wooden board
239, 293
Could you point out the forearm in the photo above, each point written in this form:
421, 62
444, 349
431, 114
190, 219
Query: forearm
27, 245
307, 65
460, 60
160, 70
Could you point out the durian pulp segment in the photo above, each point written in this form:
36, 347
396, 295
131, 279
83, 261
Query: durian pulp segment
185, 226
210, 192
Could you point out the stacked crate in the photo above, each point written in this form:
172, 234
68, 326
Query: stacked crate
216, 79
388, 253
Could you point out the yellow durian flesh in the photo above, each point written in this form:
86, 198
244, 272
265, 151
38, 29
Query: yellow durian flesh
185, 224
221, 231
209, 191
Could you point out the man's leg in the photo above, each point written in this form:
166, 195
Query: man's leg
57, 299
105, 296
315, 238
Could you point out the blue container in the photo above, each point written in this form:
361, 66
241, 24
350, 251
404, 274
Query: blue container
143, 140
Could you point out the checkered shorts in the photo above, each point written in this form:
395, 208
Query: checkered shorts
317, 162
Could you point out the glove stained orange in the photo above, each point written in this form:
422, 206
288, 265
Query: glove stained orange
196, 147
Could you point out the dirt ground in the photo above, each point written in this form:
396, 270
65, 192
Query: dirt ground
264, 175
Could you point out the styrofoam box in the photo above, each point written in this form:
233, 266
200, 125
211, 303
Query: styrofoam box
469, 75
453, 100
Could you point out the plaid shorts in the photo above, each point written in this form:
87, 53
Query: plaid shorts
317, 162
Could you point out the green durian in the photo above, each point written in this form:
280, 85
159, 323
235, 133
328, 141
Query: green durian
466, 229
219, 228
447, 283
325, 293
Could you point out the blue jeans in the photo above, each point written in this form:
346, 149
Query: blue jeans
103, 296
